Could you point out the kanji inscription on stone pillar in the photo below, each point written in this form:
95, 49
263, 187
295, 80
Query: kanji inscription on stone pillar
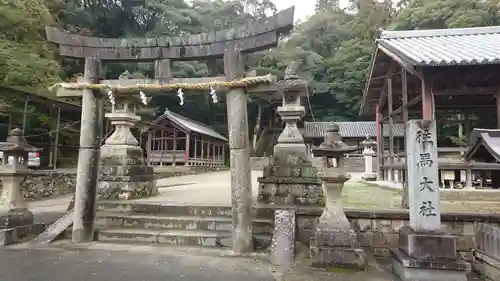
423, 183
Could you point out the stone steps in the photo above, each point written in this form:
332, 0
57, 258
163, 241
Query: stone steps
213, 239
177, 222
205, 226
172, 210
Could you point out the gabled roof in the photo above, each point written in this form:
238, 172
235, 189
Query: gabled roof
189, 124
444, 47
485, 140
351, 129
414, 49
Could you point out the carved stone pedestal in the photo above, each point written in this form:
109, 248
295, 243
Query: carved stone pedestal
124, 174
334, 243
428, 257
282, 185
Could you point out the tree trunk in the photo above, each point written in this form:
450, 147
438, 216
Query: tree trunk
256, 129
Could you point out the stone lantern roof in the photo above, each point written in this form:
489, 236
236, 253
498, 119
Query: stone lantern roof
16, 142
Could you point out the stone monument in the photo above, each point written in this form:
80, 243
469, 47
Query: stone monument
368, 153
123, 173
334, 243
290, 179
425, 253
14, 213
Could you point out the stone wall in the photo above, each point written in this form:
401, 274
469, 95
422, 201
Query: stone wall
378, 231
46, 184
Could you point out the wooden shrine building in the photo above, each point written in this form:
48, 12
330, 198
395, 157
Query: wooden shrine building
353, 133
173, 139
430, 74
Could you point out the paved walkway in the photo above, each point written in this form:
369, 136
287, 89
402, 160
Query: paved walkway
114, 262
212, 189
57, 264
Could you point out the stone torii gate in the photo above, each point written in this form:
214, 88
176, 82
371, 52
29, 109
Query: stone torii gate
231, 45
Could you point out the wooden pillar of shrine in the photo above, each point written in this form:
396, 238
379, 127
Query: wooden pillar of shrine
174, 148
404, 111
88, 158
215, 157
390, 127
427, 98
380, 141
239, 145
186, 152
149, 147
498, 107
224, 154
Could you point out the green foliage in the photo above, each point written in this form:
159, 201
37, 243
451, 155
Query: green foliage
25, 59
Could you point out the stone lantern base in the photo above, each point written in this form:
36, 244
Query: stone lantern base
15, 224
15, 219
334, 243
124, 174
336, 247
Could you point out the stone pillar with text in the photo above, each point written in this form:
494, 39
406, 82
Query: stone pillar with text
123, 172
290, 179
425, 252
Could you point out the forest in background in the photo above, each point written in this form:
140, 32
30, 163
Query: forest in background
333, 48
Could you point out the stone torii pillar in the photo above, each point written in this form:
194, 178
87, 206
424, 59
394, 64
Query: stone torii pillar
88, 158
239, 145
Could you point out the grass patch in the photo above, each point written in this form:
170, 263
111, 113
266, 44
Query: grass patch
359, 195
343, 270
364, 195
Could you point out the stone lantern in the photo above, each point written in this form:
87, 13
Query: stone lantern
368, 153
13, 171
123, 172
290, 179
334, 243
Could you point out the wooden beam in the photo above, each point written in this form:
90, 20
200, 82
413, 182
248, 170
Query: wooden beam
383, 92
403, 64
498, 106
390, 97
409, 104
404, 107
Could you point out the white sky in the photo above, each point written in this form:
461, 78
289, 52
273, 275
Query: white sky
303, 8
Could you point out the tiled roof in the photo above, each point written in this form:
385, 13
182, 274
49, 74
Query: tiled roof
190, 124
440, 47
350, 129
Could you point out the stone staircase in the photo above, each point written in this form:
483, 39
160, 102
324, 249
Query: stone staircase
203, 226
